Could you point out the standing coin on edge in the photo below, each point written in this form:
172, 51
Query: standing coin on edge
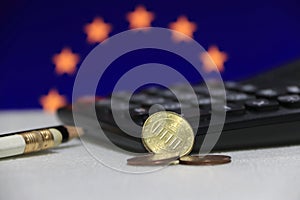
153, 159
167, 132
205, 160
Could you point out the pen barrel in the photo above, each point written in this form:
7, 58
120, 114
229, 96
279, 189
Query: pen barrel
29, 141
11, 145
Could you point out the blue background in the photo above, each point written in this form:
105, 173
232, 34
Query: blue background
256, 35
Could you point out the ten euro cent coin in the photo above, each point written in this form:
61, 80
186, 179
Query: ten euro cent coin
167, 132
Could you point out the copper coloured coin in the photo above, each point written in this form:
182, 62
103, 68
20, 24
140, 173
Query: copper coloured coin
205, 160
153, 159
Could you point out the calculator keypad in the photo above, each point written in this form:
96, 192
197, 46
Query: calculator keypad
240, 100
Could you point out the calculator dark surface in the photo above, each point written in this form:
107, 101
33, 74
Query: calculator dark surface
262, 111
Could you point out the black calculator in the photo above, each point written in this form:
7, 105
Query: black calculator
262, 111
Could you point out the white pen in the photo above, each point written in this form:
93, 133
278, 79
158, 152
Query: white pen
36, 140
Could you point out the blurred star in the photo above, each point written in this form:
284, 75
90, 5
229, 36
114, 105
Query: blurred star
140, 18
214, 59
52, 101
97, 31
65, 61
184, 26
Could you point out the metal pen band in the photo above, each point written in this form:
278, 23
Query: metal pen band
38, 140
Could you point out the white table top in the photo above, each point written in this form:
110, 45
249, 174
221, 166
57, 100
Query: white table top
69, 172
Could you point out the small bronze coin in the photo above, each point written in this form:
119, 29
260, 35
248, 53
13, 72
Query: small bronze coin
205, 160
153, 159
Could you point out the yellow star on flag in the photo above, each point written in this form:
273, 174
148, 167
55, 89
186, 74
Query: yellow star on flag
140, 18
213, 58
65, 61
52, 101
184, 26
97, 31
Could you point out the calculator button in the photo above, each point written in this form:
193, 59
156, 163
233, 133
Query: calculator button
138, 98
218, 93
146, 100
261, 105
152, 100
191, 113
230, 85
201, 89
238, 97
138, 115
185, 96
248, 88
165, 94
139, 111
292, 101
204, 102
168, 106
231, 109
172, 106
293, 89
268, 93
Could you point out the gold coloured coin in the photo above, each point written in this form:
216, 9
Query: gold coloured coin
167, 132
